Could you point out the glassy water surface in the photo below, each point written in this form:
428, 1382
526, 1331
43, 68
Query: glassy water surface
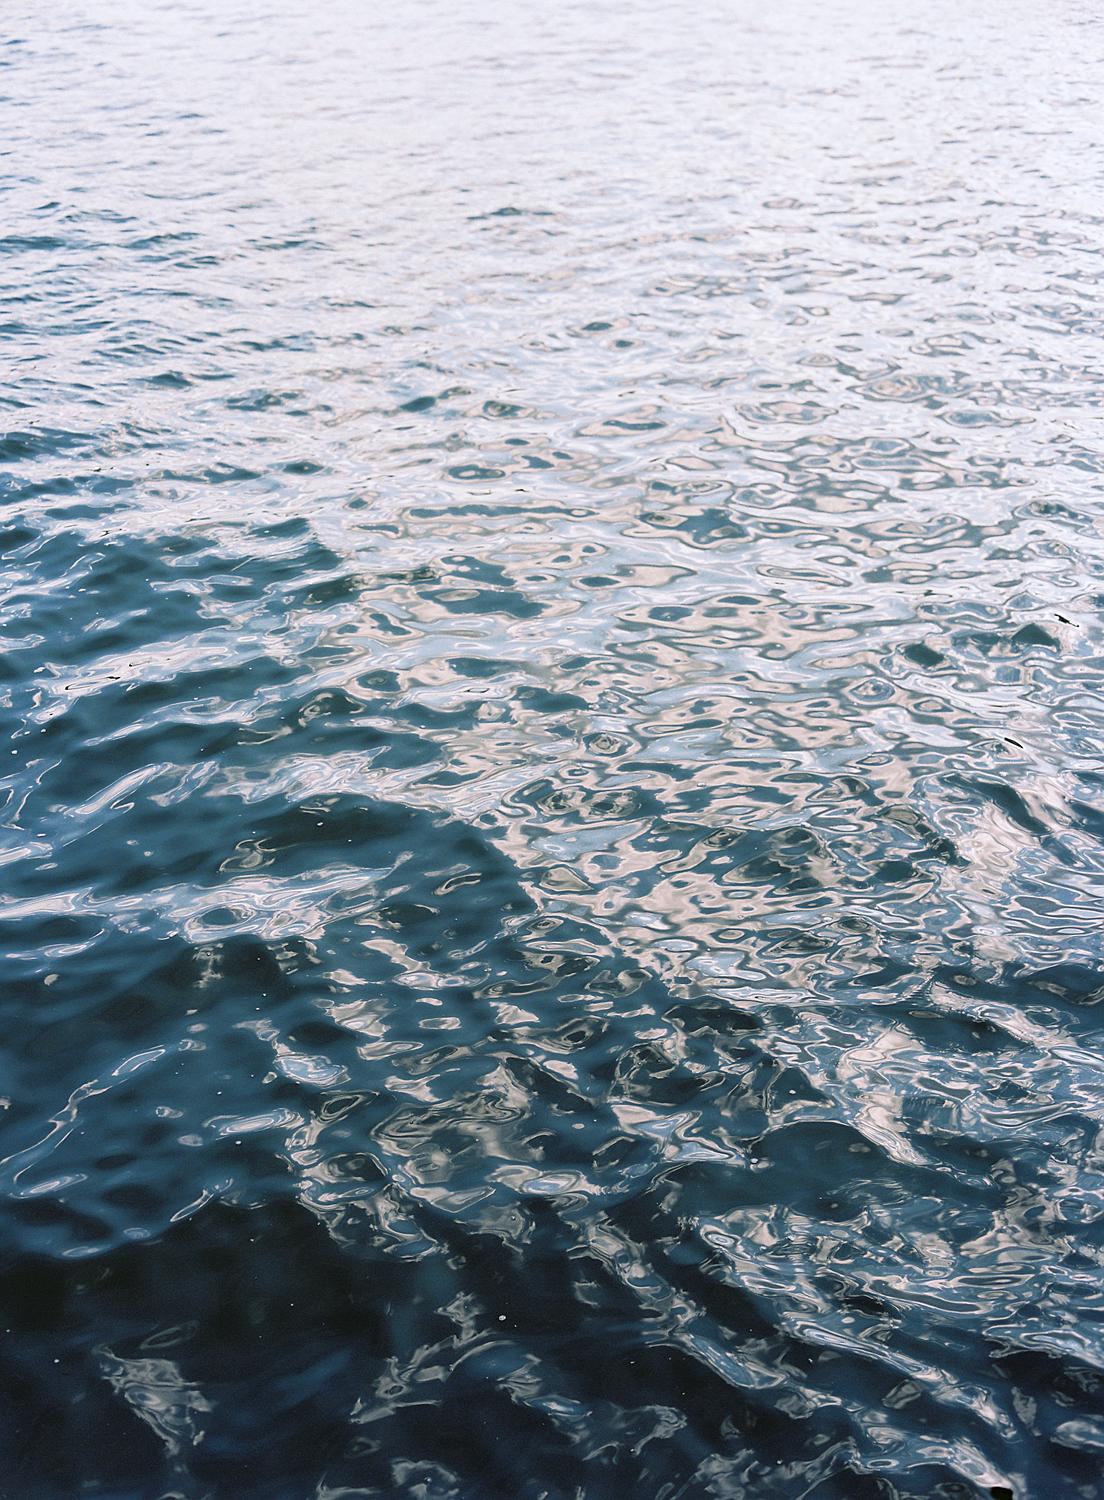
553, 850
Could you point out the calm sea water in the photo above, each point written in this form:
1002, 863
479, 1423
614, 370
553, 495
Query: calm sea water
553, 751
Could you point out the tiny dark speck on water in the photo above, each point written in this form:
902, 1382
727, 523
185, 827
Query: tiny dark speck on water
552, 683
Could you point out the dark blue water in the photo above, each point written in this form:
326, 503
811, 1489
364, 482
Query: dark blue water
551, 929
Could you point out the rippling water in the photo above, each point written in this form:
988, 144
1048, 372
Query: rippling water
554, 804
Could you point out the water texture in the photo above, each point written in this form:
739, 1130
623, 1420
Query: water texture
553, 835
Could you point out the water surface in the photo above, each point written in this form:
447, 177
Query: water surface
553, 842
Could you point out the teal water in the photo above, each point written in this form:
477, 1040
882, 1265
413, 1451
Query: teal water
552, 700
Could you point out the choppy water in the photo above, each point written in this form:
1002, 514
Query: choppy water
553, 847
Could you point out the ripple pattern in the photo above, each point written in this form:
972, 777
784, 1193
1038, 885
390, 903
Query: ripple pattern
551, 706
